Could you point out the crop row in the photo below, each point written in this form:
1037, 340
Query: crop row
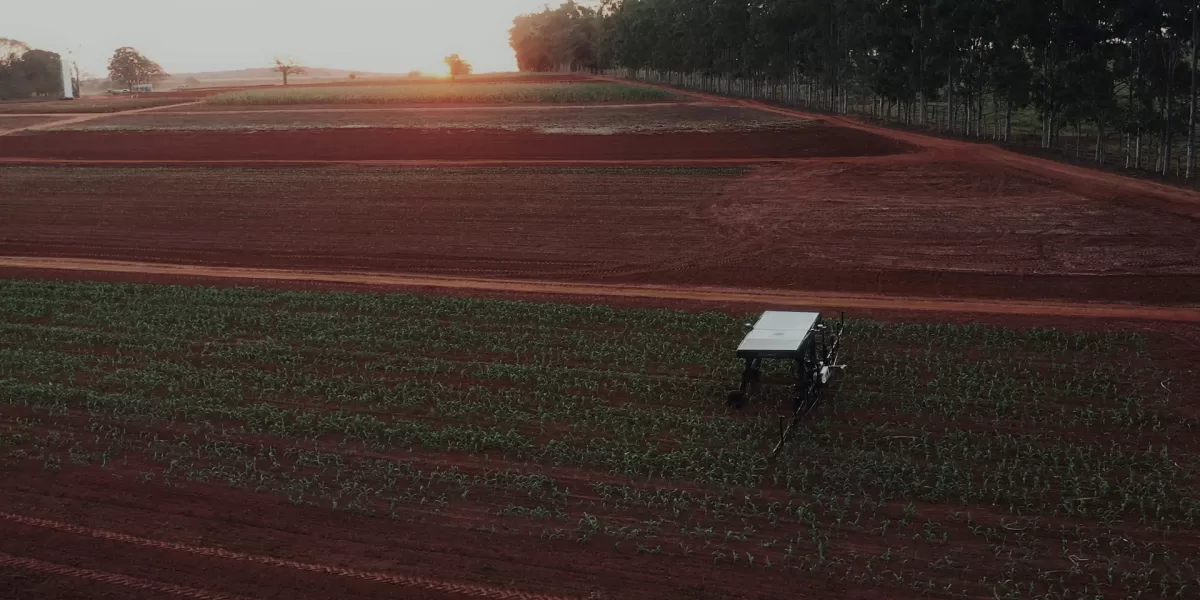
951, 460
460, 93
824, 535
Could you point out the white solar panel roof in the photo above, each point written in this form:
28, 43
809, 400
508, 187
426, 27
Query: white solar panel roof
778, 331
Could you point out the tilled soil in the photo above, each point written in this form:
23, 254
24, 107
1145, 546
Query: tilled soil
401, 144
943, 229
113, 534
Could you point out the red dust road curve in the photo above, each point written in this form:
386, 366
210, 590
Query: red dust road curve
1183, 314
41, 566
425, 583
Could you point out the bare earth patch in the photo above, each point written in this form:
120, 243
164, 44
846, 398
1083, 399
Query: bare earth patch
389, 144
932, 230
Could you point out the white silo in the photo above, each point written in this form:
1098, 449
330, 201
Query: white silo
68, 92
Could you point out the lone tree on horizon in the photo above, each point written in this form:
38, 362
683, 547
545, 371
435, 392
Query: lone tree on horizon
458, 66
128, 66
288, 67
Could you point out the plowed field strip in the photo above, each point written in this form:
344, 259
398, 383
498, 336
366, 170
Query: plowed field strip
445, 144
1080, 179
1185, 314
425, 583
41, 566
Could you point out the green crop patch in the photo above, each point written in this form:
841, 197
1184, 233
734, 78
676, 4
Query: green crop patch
447, 93
959, 460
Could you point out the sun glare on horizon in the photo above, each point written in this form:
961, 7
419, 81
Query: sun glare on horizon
438, 69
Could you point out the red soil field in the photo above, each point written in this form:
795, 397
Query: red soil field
866, 212
113, 528
401, 144
110, 524
942, 229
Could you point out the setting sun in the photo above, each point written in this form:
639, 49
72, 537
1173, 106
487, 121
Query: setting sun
363, 35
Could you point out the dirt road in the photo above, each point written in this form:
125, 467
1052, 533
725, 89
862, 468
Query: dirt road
73, 118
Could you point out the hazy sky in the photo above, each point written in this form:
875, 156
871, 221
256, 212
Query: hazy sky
213, 35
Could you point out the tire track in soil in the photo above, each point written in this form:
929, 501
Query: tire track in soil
736, 240
41, 566
761, 297
424, 583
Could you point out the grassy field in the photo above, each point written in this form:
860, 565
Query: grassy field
646, 118
458, 93
965, 461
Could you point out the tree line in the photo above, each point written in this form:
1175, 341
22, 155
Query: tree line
1114, 81
28, 72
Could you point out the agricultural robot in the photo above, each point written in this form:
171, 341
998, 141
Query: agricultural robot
801, 337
